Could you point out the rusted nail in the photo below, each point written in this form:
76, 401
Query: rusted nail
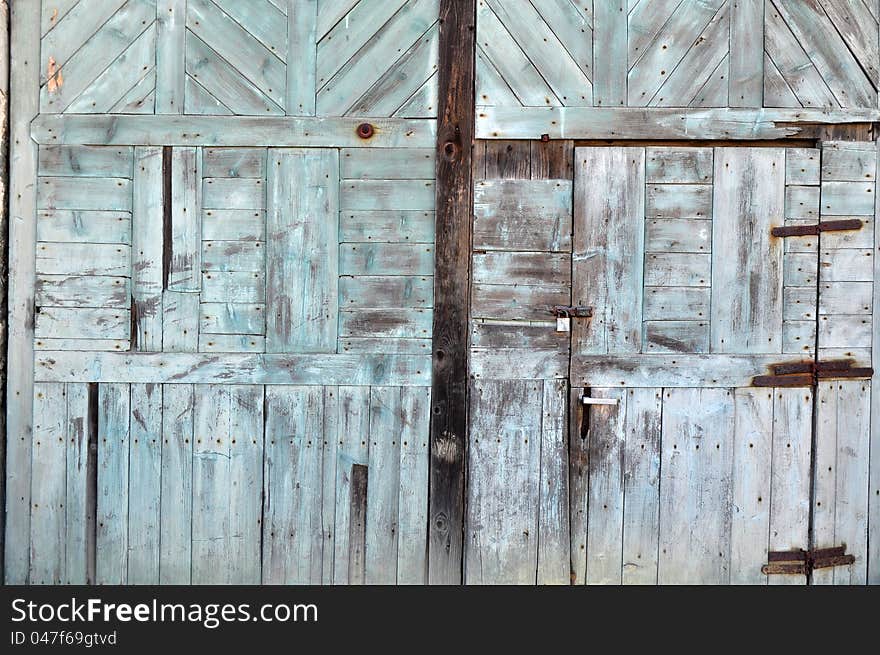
545, 138
365, 130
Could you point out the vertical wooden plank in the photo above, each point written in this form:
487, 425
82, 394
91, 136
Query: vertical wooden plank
610, 53
752, 452
180, 322
607, 262
412, 542
170, 76
185, 240
749, 197
383, 492
147, 237
790, 474
302, 250
330, 449
746, 54
357, 530
176, 512
578, 479
641, 493
695, 486
302, 38
292, 534
353, 438
114, 411
47, 560
554, 541
454, 192
78, 526
144, 483
23, 107
874, 480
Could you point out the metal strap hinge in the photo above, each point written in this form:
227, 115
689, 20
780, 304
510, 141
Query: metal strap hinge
803, 562
807, 374
811, 230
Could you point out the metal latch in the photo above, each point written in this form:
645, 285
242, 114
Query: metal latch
807, 374
564, 314
803, 562
590, 400
811, 230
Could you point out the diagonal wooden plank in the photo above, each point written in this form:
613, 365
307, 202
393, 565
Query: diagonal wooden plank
52, 12
347, 37
244, 53
777, 92
668, 48
572, 29
124, 73
330, 12
746, 47
423, 103
828, 52
98, 53
858, 27
511, 63
139, 99
262, 20
402, 79
370, 62
200, 101
715, 91
223, 81
645, 21
697, 66
73, 31
544, 50
491, 87
793, 63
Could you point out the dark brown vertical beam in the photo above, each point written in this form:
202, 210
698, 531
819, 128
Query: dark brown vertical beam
455, 137
508, 160
357, 525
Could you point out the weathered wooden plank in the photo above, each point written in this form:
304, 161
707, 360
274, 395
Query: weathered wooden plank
510, 301
102, 193
82, 291
82, 323
180, 315
185, 264
85, 161
799, 270
491, 87
198, 100
384, 345
802, 202
423, 103
302, 59
842, 331
234, 162
90, 226
676, 303
554, 562
233, 256
49, 493
507, 160
777, 92
518, 364
523, 215
747, 53
357, 529
502, 528
848, 198
302, 260
522, 268
233, 286
798, 303
679, 165
678, 201
232, 343
231, 318
748, 198
144, 483
790, 474
413, 494
845, 297
233, 225
678, 235
77, 509
610, 54
802, 166
238, 131
292, 535
677, 336
750, 496
264, 20
387, 195
578, 478
386, 259
516, 334
189, 368
394, 323
379, 292
229, 193
390, 164
846, 265
610, 224
140, 99
695, 486
677, 269
116, 345
83, 259
170, 47
799, 337
175, 520
844, 161
873, 555
386, 226
114, 411
661, 370
147, 245
652, 123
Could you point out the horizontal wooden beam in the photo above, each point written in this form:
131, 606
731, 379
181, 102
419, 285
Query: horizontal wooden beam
684, 370
252, 131
655, 123
234, 368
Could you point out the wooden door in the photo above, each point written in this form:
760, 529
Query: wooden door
695, 472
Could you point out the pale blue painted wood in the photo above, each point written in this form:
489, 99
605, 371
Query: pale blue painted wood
492, 89
72, 30
144, 483
82, 323
77, 538
423, 103
106, 193
678, 201
170, 44
114, 412
229, 193
110, 345
302, 58
413, 493
48, 495
848, 198
610, 54
330, 12
385, 292
124, 74
384, 345
233, 225
180, 315
366, 226
175, 527
233, 256
198, 100
140, 99
388, 164
293, 539
235, 286
66, 225
232, 318
83, 259
386, 259
234, 162
264, 21
554, 541
147, 241
302, 264
747, 50
54, 12
184, 272
82, 291
86, 161
404, 323
330, 435
232, 343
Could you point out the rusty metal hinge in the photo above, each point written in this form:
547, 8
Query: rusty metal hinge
807, 374
812, 230
803, 562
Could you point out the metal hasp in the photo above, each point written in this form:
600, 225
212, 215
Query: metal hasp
568, 311
812, 230
804, 562
807, 374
